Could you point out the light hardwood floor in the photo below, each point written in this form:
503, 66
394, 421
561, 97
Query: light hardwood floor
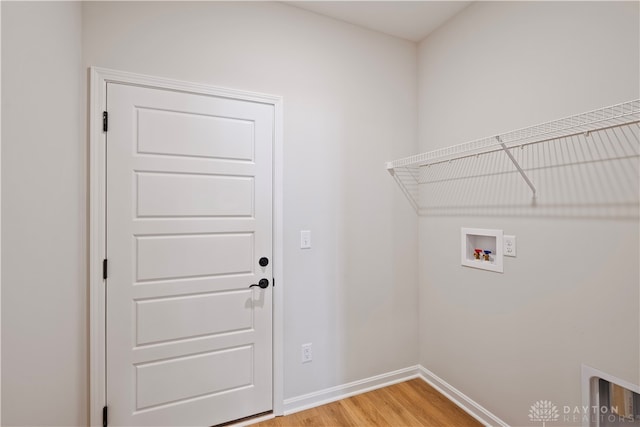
411, 403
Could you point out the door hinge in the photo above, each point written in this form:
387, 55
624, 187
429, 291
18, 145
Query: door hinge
104, 269
105, 121
105, 421
273, 280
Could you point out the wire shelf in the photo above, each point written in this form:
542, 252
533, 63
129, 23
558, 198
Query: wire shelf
409, 172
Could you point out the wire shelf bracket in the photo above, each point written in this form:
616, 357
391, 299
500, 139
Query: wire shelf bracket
517, 165
407, 171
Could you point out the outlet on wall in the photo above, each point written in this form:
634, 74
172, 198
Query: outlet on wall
307, 354
509, 245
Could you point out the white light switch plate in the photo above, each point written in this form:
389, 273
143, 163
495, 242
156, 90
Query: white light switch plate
305, 239
510, 246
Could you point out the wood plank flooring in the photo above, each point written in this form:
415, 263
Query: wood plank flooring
411, 403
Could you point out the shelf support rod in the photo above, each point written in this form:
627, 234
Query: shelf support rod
517, 165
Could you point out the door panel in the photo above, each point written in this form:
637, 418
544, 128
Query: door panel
160, 132
199, 315
179, 256
189, 214
173, 380
178, 195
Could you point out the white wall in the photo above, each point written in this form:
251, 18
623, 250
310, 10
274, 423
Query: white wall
0, 221
44, 298
571, 296
350, 105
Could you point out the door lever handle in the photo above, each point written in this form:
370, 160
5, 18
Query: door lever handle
263, 283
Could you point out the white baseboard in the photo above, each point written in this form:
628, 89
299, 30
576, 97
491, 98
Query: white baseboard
463, 401
322, 397
328, 395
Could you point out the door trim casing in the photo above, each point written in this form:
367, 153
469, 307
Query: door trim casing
99, 77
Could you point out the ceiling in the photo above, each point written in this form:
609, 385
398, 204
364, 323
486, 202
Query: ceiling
409, 20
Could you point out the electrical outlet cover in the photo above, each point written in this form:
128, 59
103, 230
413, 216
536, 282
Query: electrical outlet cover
307, 353
510, 246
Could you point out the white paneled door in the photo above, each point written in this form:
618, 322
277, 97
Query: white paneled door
189, 219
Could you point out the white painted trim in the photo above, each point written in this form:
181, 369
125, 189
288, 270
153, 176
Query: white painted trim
591, 397
98, 82
0, 226
463, 401
278, 257
332, 394
97, 194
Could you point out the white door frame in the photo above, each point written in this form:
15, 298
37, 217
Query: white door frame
99, 77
